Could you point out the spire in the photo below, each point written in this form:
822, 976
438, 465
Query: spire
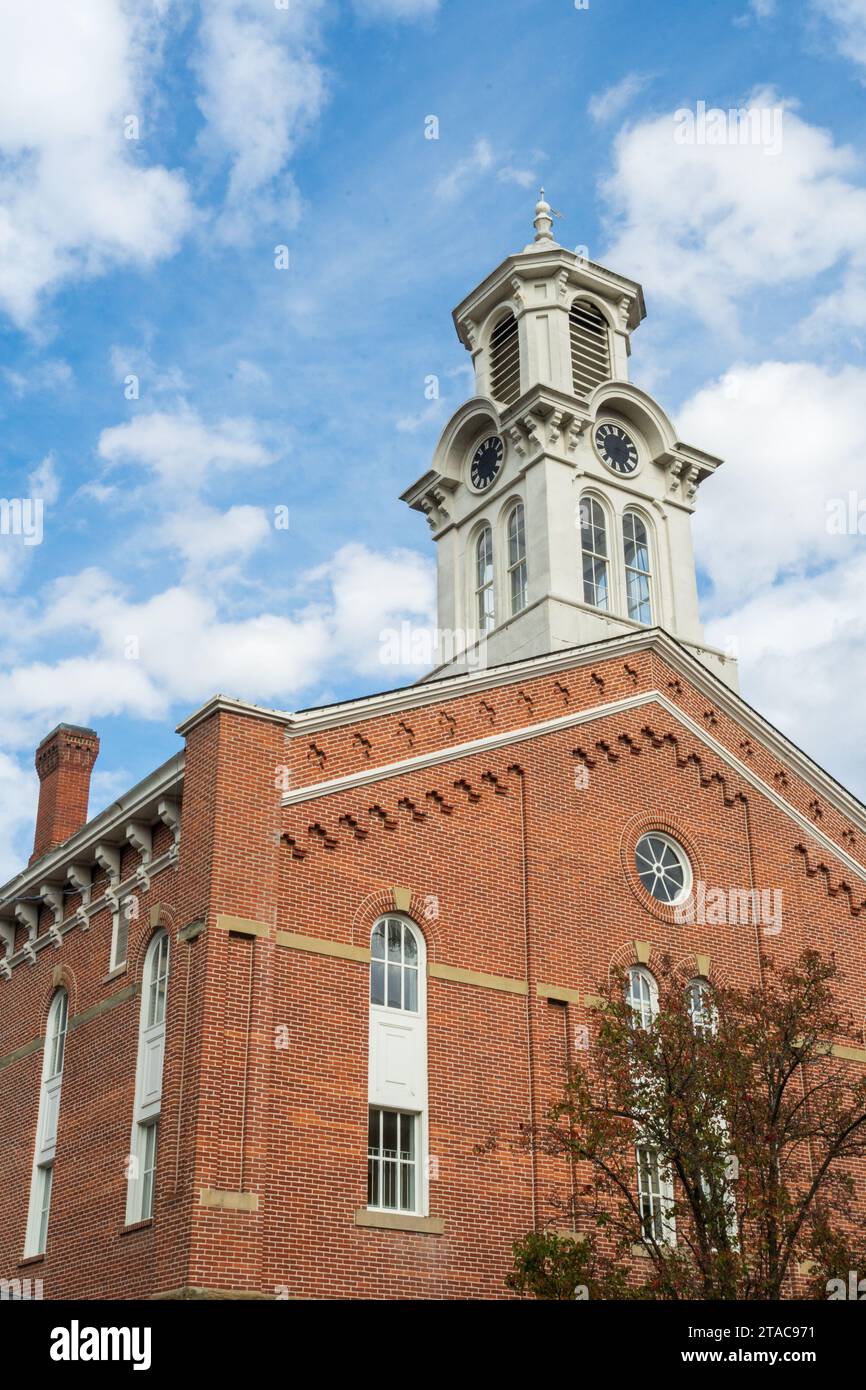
543, 220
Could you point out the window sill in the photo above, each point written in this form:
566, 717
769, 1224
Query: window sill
27, 1260
134, 1226
399, 1221
115, 974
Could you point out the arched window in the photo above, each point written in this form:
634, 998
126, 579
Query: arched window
517, 557
702, 1011
637, 568
397, 1090
505, 360
643, 995
46, 1126
394, 965
485, 604
590, 348
141, 1164
593, 540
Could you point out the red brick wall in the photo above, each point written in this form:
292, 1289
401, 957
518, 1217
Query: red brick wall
515, 872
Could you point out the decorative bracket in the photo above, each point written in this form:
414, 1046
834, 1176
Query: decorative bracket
108, 858
140, 836
169, 813
28, 916
7, 936
52, 896
81, 878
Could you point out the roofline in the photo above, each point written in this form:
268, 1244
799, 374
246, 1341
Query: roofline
166, 778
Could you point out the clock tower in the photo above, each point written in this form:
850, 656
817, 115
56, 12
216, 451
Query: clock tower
559, 496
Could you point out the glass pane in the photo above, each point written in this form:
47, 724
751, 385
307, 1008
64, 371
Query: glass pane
410, 947
410, 989
121, 938
390, 1122
377, 943
394, 974
372, 1183
407, 1136
373, 1129
395, 936
377, 982
407, 1191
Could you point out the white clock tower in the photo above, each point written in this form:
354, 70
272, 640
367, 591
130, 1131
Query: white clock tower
559, 497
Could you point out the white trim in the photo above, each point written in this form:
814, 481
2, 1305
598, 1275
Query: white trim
566, 721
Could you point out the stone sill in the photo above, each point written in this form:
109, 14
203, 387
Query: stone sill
399, 1221
27, 1261
134, 1226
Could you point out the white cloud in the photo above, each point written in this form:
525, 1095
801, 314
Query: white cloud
374, 592
793, 437
152, 380
466, 170
251, 374
49, 376
787, 589
396, 9
43, 481
205, 537
524, 178
262, 87
607, 105
180, 449
848, 22
704, 226
18, 786
73, 199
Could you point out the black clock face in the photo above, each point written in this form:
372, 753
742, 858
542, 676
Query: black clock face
486, 462
616, 448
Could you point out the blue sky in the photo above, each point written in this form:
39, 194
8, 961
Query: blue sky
161, 576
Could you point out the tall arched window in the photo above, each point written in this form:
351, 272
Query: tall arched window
593, 540
485, 603
46, 1126
590, 348
702, 1010
637, 568
505, 360
148, 1081
643, 995
517, 557
397, 1088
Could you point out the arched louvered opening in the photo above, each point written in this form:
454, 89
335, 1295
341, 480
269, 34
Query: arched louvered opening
590, 348
505, 361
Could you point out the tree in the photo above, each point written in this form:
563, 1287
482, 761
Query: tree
747, 1132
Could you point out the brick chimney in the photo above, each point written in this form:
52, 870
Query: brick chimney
64, 761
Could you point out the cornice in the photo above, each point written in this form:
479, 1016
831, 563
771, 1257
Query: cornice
507, 738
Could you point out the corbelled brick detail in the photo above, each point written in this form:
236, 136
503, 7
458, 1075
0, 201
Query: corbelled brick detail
64, 762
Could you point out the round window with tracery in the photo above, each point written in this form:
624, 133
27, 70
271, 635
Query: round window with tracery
663, 867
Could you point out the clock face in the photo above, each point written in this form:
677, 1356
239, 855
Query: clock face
616, 448
486, 462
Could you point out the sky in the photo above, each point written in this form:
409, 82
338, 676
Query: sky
228, 257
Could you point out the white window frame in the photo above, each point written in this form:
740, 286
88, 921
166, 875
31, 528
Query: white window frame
655, 1187
515, 545
598, 557
681, 856
375, 1155
125, 912
630, 515
704, 1017
643, 995
148, 1078
42, 1176
484, 585
397, 1065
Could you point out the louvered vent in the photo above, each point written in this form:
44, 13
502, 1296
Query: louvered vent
505, 361
590, 353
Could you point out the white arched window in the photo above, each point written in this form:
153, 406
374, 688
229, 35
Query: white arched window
141, 1165
505, 360
637, 568
517, 575
397, 1076
485, 604
590, 347
593, 541
702, 1011
643, 994
42, 1179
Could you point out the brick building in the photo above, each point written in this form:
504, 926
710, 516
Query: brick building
259, 1015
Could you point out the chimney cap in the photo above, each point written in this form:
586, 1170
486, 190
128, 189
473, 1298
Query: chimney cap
66, 728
